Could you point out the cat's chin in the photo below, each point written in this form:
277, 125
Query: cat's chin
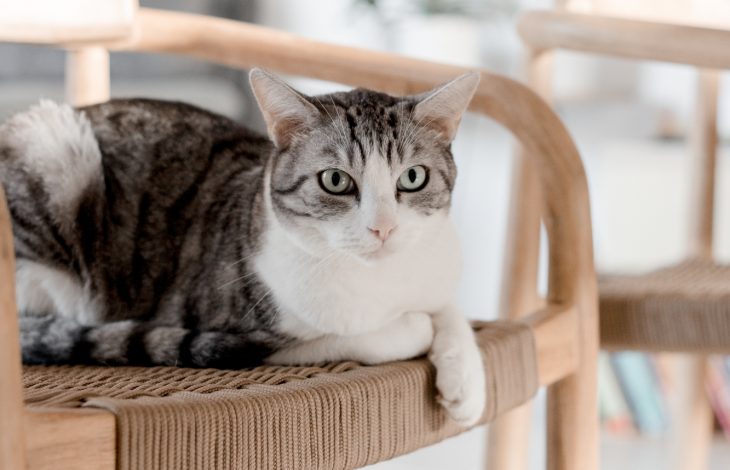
376, 255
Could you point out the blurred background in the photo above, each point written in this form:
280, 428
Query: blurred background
629, 119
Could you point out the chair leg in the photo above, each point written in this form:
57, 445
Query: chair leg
703, 141
12, 435
572, 404
692, 433
509, 434
509, 437
87, 76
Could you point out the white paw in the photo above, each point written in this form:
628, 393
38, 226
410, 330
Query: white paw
459, 378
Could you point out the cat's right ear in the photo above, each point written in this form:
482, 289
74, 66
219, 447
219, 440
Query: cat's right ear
286, 111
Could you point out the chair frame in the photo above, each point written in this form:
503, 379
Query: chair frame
543, 32
565, 329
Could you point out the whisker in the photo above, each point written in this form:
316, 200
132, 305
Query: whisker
241, 260
233, 281
258, 302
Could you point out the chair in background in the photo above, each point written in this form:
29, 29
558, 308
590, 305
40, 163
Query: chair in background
681, 308
332, 416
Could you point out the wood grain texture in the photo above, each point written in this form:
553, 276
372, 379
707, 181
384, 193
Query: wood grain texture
690, 45
12, 432
70, 439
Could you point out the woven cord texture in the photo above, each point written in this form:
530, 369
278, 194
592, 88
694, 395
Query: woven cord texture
685, 307
337, 416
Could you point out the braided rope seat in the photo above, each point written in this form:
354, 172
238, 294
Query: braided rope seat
330, 416
685, 307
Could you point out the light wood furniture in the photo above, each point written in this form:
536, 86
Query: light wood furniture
672, 309
560, 336
77, 26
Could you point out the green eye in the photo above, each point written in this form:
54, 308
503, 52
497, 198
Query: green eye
336, 181
413, 179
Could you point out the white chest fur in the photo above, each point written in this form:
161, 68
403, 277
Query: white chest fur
339, 294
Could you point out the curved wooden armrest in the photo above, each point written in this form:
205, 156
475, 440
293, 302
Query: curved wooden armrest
637, 39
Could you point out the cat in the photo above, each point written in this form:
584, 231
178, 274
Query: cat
156, 233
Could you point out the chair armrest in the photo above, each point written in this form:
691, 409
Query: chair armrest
12, 438
637, 39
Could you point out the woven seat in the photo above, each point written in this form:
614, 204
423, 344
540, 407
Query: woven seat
333, 416
685, 307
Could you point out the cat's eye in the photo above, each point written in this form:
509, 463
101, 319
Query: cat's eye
413, 179
336, 181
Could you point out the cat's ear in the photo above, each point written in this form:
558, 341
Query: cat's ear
286, 111
441, 109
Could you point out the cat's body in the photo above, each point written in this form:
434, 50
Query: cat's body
162, 232
151, 232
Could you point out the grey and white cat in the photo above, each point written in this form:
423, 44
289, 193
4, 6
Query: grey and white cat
156, 233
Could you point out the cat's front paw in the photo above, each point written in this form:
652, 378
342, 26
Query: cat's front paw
460, 378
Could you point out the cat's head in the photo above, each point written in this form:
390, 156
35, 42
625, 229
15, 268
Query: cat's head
361, 172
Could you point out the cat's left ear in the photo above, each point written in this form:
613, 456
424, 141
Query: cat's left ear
441, 109
286, 111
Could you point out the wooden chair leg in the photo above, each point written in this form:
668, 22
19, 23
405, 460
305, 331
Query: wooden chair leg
703, 141
12, 435
572, 404
509, 438
509, 434
692, 426
87, 76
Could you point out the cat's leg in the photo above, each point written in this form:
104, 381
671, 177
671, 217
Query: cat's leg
460, 377
410, 335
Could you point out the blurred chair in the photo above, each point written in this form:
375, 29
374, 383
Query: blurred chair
681, 308
331, 416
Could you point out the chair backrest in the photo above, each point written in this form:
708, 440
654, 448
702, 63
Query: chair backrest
644, 38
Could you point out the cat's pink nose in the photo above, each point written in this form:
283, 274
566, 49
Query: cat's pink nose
382, 232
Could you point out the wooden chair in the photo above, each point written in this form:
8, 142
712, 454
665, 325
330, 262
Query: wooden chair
336, 415
681, 308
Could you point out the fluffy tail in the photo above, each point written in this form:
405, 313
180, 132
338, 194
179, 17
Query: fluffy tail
55, 340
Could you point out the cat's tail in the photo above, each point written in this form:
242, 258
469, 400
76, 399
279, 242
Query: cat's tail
51, 339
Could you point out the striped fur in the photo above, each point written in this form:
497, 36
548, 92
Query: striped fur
157, 233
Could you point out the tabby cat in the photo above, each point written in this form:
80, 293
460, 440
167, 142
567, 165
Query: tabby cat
156, 233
